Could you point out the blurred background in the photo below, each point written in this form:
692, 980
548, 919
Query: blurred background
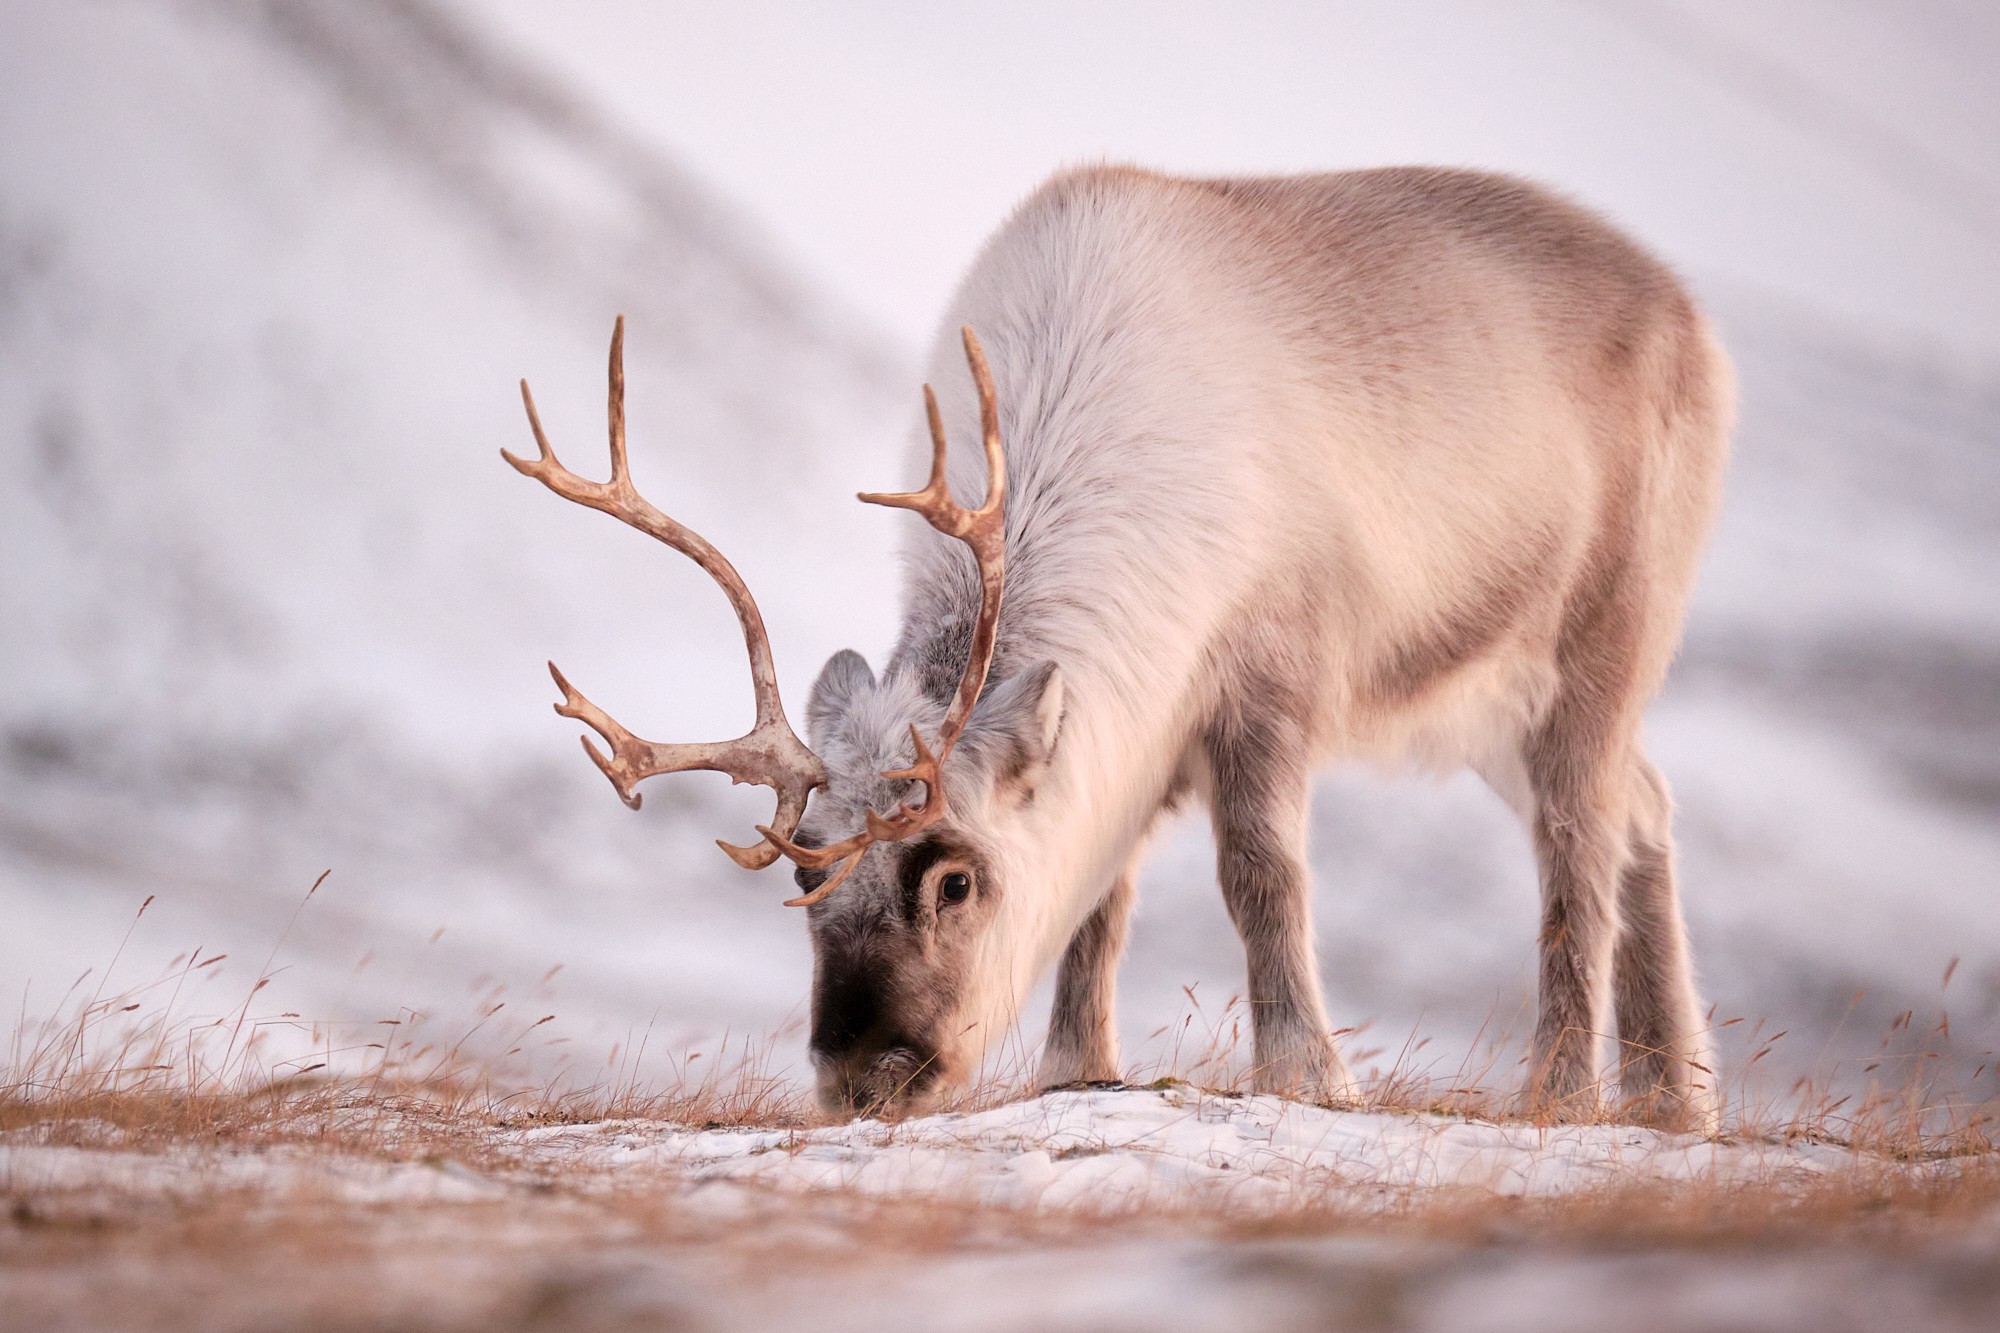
270, 603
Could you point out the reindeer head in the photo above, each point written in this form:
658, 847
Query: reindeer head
907, 908
919, 957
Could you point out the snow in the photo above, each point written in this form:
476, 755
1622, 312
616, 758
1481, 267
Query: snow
1100, 1209
1122, 1150
1098, 1151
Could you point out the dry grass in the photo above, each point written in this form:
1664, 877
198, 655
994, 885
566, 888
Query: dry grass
133, 1061
137, 1063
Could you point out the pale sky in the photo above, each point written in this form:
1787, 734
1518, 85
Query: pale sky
1841, 155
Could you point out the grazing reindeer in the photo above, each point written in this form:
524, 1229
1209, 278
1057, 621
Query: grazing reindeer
1410, 466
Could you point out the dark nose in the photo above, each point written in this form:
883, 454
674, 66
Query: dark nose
867, 1052
887, 1078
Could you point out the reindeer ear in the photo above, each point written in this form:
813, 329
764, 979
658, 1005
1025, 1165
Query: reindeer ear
1016, 725
845, 675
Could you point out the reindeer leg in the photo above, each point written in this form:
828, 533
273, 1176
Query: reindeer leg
1665, 1063
1083, 1029
1259, 785
1577, 773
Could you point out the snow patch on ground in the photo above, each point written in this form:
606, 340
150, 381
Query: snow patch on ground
1120, 1149
1095, 1151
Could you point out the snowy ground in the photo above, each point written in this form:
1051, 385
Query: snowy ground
1129, 1149
1104, 1151
1101, 1209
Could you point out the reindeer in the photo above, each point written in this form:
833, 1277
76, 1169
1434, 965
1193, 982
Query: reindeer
1410, 466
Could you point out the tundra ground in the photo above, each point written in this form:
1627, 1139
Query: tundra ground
166, 1167
388, 1205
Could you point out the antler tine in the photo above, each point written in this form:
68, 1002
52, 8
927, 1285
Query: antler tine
981, 529
546, 469
833, 882
770, 754
907, 820
614, 409
934, 501
989, 424
623, 764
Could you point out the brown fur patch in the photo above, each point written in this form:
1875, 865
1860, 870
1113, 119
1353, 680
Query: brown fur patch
1462, 632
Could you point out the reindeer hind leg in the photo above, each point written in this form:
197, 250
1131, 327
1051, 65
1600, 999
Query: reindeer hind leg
1579, 794
1665, 1066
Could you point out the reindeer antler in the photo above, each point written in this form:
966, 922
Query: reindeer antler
770, 754
983, 530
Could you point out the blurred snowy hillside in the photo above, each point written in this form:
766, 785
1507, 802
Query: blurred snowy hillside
268, 272
273, 601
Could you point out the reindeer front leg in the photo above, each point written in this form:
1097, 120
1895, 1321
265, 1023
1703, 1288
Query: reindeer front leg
1258, 767
1083, 1026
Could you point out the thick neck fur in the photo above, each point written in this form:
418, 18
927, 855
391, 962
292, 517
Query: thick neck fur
1121, 539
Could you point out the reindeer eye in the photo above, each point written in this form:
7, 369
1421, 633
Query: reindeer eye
955, 887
